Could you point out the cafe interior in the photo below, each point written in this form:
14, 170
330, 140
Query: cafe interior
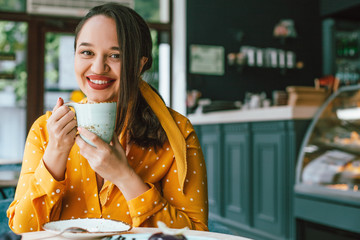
270, 86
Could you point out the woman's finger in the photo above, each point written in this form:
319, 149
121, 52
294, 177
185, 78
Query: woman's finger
59, 103
66, 115
70, 126
60, 118
92, 137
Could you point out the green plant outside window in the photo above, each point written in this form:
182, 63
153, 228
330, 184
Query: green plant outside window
13, 42
148, 9
13, 5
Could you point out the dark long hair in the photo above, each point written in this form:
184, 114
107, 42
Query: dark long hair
134, 114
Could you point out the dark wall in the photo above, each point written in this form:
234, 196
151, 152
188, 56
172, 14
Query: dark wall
216, 22
345, 9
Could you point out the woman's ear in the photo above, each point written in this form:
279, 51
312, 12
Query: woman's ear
143, 62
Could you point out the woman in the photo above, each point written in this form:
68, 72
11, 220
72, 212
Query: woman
152, 170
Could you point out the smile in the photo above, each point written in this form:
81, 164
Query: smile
99, 82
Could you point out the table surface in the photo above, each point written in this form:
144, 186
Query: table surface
219, 236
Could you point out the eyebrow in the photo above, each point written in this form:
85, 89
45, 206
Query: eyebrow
90, 45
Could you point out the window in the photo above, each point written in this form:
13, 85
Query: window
13, 82
59, 72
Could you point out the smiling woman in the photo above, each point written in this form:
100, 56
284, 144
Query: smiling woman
152, 170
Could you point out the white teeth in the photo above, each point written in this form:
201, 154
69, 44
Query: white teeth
98, 81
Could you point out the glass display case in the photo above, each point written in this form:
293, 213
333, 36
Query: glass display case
329, 160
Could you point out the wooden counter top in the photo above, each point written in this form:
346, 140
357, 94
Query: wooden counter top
255, 115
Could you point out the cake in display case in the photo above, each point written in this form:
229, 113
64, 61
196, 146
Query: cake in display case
329, 160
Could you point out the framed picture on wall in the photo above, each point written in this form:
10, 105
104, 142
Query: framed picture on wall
207, 60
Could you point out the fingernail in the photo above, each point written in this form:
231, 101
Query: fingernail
79, 129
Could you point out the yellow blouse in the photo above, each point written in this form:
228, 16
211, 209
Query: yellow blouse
39, 198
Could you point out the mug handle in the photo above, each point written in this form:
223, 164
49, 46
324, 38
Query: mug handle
70, 104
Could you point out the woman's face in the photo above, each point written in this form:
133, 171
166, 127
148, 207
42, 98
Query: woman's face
97, 59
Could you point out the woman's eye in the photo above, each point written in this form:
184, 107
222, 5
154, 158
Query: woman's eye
115, 56
87, 53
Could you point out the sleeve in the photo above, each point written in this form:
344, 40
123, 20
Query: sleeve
38, 195
175, 208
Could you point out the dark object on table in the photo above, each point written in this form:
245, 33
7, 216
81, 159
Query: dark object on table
9, 236
162, 236
220, 106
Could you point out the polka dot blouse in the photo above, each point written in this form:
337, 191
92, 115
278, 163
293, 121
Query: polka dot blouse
39, 198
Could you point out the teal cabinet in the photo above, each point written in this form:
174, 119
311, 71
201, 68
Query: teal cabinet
269, 201
236, 173
210, 144
251, 174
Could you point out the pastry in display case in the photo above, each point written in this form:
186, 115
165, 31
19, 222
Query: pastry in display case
329, 160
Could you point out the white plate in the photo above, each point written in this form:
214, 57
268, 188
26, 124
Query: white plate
143, 236
97, 227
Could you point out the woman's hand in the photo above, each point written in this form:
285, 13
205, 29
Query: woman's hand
110, 162
61, 127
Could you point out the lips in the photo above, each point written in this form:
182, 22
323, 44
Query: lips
99, 82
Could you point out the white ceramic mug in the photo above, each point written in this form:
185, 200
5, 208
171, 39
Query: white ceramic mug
98, 118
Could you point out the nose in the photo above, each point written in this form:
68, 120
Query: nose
99, 65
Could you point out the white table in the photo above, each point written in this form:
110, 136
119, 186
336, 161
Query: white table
220, 236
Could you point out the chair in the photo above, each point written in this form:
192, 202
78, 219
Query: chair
4, 221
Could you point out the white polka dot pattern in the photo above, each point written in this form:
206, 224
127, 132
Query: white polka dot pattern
77, 196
